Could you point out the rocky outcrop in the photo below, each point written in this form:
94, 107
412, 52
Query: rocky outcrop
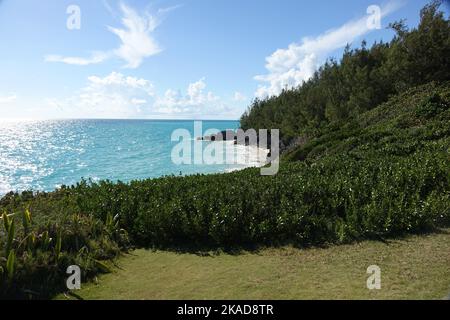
230, 135
226, 135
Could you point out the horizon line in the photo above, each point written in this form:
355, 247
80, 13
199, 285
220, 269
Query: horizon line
111, 119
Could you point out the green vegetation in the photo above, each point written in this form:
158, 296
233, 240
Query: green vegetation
383, 180
362, 80
412, 268
374, 164
35, 254
416, 120
388, 178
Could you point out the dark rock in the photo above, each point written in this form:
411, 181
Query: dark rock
230, 135
226, 135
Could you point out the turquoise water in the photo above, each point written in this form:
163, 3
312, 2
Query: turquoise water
43, 155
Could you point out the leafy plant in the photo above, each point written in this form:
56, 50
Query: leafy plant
58, 245
10, 265
10, 237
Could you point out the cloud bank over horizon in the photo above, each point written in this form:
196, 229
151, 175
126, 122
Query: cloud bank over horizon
119, 96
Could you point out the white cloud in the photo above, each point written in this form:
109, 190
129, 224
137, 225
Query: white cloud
136, 39
112, 96
115, 96
289, 67
117, 80
169, 9
195, 102
136, 101
95, 58
119, 96
239, 97
8, 99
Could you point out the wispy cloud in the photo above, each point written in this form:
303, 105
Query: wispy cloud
108, 7
8, 99
95, 58
137, 41
163, 11
289, 67
239, 96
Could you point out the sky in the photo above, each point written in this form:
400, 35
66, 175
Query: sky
173, 59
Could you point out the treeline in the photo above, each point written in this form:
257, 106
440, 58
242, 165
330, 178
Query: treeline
363, 79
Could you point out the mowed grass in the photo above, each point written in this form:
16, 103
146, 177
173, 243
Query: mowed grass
417, 267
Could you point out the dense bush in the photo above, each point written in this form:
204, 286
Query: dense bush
337, 199
35, 254
334, 200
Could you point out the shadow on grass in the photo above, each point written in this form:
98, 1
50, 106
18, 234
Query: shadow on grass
203, 250
406, 236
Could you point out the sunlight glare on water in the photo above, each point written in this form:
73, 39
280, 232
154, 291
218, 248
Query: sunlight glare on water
43, 155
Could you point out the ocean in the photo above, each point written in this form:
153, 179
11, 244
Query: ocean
43, 155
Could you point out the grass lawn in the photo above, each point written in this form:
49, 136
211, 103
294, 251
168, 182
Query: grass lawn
417, 267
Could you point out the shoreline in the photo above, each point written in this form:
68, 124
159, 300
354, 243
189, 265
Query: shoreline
245, 156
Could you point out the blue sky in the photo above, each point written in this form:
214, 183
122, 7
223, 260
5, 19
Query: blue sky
173, 59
